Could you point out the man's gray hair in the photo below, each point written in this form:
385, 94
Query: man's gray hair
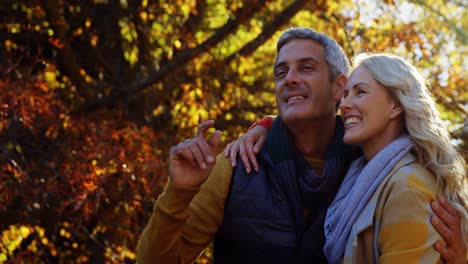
334, 55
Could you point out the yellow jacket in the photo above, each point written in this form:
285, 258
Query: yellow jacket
395, 225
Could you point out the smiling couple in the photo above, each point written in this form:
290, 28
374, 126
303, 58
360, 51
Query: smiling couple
322, 190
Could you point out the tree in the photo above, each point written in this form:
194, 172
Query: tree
95, 92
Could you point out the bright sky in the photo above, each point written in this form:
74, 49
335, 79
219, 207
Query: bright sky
371, 9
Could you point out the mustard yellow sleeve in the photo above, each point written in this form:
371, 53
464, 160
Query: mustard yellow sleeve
406, 234
185, 221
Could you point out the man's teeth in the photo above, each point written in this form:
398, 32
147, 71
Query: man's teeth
352, 120
297, 97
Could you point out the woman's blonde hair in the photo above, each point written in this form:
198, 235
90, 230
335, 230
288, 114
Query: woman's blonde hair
423, 124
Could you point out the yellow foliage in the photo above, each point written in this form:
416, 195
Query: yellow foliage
205, 86
24, 231
12, 237
143, 16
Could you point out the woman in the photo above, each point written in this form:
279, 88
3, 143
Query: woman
381, 212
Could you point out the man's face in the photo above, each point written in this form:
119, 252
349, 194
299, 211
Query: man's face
303, 89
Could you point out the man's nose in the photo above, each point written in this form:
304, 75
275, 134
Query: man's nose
292, 78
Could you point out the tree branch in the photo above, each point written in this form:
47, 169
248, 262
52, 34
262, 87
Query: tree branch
141, 28
106, 18
179, 61
66, 54
461, 34
280, 20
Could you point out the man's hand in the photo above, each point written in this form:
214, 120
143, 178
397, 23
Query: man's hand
248, 146
191, 161
447, 223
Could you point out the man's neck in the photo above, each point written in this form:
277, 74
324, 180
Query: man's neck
313, 137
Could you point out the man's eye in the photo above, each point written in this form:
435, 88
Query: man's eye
307, 67
280, 73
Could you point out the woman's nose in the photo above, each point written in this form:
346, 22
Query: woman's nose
345, 103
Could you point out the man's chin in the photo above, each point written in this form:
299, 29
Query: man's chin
293, 113
300, 118
294, 118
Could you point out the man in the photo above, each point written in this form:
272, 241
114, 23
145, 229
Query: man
267, 217
277, 214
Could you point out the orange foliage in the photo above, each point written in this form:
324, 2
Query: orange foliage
84, 174
94, 93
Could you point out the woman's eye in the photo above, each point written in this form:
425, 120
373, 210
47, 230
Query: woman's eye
360, 91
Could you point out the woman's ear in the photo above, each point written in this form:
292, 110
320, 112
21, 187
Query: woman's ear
397, 109
339, 85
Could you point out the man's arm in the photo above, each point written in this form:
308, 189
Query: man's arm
447, 222
186, 216
185, 221
161, 238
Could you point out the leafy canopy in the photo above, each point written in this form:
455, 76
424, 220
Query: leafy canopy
94, 93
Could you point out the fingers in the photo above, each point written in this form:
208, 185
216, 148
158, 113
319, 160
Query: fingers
247, 146
196, 151
247, 154
258, 136
233, 152
444, 252
447, 223
448, 208
180, 152
202, 152
203, 128
441, 213
259, 144
214, 141
227, 150
230, 148
244, 157
443, 230
446, 213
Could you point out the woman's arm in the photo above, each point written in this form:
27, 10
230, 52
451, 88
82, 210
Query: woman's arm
249, 144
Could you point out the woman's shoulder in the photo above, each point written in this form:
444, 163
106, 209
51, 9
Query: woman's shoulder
411, 175
402, 213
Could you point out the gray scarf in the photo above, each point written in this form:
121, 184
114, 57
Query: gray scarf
360, 183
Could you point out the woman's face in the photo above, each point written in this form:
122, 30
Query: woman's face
369, 113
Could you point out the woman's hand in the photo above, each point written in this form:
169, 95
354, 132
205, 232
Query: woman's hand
247, 146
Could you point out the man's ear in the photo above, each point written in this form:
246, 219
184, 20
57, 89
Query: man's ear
338, 87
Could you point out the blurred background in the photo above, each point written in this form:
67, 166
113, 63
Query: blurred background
94, 93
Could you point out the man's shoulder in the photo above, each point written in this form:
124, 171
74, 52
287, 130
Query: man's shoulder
223, 161
215, 189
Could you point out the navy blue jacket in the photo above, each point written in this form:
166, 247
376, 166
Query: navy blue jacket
259, 224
